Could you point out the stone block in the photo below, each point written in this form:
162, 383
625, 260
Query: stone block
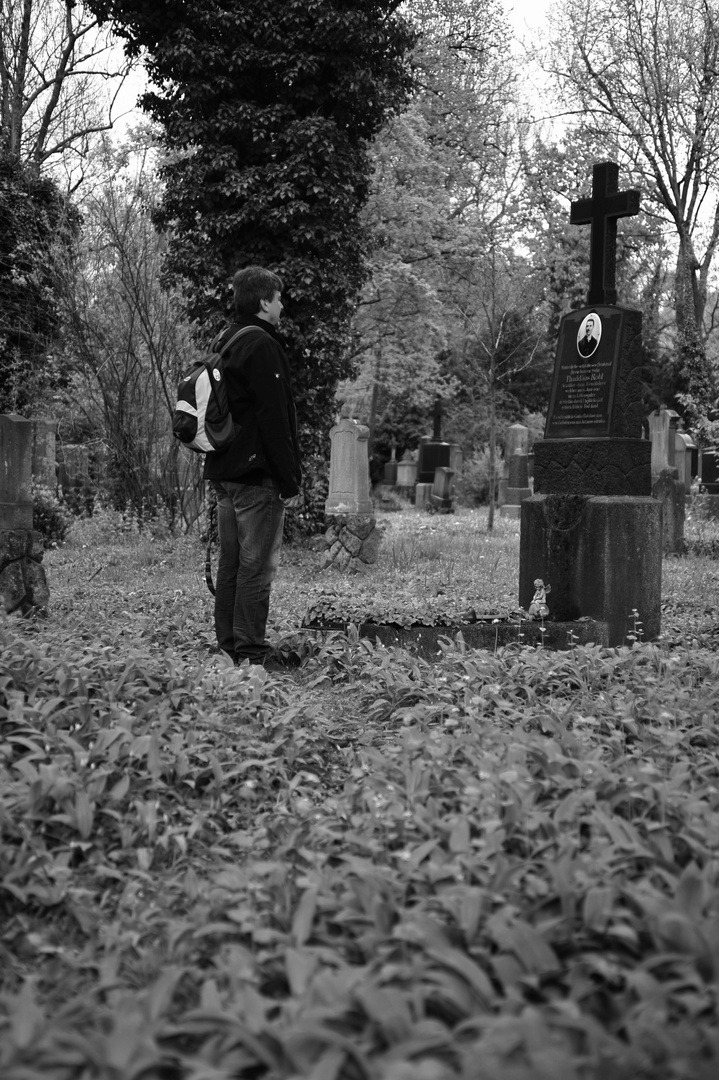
13, 545
593, 467
406, 474
512, 511
422, 495
518, 471
369, 551
669, 489
602, 556
35, 546
15, 472
12, 586
361, 526
37, 593
350, 542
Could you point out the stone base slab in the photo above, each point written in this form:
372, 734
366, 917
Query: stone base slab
425, 641
601, 555
511, 510
593, 467
670, 491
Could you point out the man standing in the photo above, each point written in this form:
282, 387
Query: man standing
259, 473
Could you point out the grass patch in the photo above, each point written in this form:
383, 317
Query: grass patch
500, 867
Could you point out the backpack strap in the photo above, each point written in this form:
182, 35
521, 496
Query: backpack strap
243, 330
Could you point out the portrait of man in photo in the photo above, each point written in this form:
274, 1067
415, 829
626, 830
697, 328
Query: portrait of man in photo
589, 334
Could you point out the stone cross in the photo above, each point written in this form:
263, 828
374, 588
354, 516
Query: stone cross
601, 212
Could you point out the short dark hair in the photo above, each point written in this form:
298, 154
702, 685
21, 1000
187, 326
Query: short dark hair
252, 284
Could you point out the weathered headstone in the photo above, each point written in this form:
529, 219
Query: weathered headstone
441, 494
592, 528
423, 496
22, 578
516, 470
684, 448
73, 466
407, 473
390, 469
351, 540
667, 485
44, 457
709, 471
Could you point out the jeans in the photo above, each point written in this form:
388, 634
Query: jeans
249, 523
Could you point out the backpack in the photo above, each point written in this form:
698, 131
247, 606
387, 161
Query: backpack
202, 420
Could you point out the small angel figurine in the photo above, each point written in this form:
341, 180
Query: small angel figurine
538, 608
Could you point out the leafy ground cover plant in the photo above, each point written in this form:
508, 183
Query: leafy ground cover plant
499, 866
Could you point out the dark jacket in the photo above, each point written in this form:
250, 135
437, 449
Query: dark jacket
261, 403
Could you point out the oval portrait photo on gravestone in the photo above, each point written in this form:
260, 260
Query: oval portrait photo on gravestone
590, 333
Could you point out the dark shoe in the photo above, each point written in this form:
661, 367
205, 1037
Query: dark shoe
273, 664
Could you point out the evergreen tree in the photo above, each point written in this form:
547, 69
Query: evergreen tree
39, 226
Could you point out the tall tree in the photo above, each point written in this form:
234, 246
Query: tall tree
60, 75
266, 113
646, 73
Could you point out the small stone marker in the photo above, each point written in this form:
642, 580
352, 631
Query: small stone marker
684, 447
407, 472
351, 539
592, 527
22, 577
441, 494
709, 471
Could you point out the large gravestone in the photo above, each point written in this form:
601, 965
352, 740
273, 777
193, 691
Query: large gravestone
592, 529
22, 578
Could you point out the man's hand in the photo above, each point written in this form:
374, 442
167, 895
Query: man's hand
290, 502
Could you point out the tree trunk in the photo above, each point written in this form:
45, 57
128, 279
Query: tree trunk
697, 383
492, 441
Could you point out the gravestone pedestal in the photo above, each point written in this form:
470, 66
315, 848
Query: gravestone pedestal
602, 555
